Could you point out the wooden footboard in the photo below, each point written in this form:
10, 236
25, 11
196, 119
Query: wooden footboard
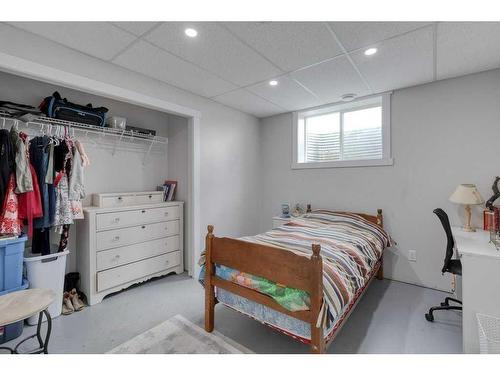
275, 264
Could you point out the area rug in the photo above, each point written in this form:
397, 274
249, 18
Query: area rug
178, 335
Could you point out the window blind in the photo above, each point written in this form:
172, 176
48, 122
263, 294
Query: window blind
353, 135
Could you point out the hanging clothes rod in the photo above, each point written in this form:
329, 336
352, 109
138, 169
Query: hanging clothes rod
47, 123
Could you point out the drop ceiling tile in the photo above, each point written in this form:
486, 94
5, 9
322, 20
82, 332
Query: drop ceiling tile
332, 79
149, 60
136, 28
216, 50
354, 35
400, 62
247, 102
99, 39
290, 45
288, 94
467, 47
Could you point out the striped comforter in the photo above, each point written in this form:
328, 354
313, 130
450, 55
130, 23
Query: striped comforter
350, 247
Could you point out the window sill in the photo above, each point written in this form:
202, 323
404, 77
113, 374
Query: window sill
344, 164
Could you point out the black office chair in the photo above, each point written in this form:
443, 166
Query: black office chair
453, 266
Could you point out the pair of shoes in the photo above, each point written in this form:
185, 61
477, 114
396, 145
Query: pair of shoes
71, 302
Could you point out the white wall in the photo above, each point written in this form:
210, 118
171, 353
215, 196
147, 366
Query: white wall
443, 134
229, 138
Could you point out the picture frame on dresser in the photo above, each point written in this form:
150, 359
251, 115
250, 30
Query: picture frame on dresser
128, 238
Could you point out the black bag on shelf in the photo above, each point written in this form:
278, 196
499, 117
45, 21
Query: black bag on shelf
56, 107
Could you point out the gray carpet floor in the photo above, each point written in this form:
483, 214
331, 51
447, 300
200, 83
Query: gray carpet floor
388, 319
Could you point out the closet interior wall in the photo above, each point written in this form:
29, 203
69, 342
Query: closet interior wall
124, 170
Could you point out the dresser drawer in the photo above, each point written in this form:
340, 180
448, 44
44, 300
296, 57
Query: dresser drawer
133, 271
136, 217
127, 236
132, 253
118, 201
147, 198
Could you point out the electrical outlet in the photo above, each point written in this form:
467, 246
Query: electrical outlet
412, 256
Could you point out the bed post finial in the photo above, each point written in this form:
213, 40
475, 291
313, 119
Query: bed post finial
380, 217
316, 249
209, 287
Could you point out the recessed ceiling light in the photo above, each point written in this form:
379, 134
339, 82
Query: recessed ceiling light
191, 32
370, 51
348, 97
273, 82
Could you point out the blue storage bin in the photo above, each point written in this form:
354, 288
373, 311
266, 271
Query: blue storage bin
14, 330
11, 262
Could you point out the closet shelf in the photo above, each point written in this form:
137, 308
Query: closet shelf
46, 124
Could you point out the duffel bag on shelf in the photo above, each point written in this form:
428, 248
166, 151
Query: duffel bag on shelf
56, 107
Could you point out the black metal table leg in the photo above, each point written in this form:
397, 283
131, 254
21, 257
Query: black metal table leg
43, 345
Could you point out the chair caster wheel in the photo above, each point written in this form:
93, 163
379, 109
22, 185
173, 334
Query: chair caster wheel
444, 304
429, 317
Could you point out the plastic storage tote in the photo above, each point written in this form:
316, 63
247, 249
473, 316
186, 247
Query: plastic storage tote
14, 330
11, 262
47, 271
489, 334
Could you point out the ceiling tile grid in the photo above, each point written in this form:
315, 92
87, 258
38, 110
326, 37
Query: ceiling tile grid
313, 63
289, 45
332, 79
467, 47
98, 39
402, 61
216, 50
149, 60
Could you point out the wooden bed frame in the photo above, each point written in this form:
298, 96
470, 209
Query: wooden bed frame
281, 266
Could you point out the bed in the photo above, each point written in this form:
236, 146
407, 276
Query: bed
302, 279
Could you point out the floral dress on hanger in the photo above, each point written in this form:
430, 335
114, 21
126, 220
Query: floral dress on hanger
9, 220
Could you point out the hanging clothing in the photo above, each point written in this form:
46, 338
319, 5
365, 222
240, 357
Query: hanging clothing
7, 162
41, 241
9, 218
24, 182
30, 204
39, 157
49, 177
63, 213
63, 242
76, 187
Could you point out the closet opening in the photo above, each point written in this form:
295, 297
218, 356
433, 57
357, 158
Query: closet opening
120, 163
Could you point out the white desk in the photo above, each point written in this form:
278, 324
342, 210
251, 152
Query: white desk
480, 282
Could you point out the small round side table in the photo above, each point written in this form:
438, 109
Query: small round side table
17, 306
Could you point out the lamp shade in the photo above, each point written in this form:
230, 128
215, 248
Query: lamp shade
466, 194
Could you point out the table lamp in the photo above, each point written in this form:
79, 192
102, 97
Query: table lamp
467, 195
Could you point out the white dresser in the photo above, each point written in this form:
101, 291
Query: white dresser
127, 238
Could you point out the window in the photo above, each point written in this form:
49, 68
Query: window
344, 135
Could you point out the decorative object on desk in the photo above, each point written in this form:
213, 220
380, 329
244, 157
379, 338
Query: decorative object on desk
491, 219
467, 195
285, 210
495, 196
298, 210
308, 207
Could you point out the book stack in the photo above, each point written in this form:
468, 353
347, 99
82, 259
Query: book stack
168, 189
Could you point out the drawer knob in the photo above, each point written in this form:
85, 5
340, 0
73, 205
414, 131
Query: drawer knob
143, 227
143, 211
117, 220
167, 262
120, 198
117, 256
166, 213
150, 196
116, 238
